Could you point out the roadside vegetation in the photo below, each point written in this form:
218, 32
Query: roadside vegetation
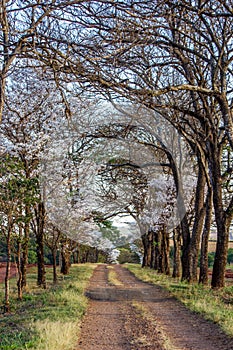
214, 305
46, 319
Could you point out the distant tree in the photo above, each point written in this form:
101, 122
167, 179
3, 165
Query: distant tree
53, 237
128, 256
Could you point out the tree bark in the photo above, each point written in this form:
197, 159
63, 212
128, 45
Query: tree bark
2, 90
203, 276
176, 256
54, 254
164, 258
185, 248
166, 247
40, 219
157, 250
220, 261
185, 261
8, 268
150, 248
52, 241
65, 260
19, 281
24, 260
152, 261
197, 226
145, 242
3, 73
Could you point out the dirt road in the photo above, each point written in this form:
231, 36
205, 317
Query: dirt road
133, 315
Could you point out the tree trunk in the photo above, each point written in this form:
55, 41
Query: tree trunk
203, 277
176, 256
96, 255
8, 267
183, 219
19, 281
24, 260
40, 217
78, 255
164, 259
161, 268
197, 226
145, 242
166, 251
220, 261
65, 260
54, 254
75, 257
185, 248
150, 248
41, 279
157, 250
152, 261
2, 94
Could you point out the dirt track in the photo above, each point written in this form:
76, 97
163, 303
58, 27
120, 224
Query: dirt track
139, 316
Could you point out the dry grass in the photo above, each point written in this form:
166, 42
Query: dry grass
112, 277
212, 246
56, 335
47, 319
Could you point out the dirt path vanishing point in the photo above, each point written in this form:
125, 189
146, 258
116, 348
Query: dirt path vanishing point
133, 315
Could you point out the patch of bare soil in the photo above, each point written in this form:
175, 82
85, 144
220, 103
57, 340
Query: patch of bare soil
13, 271
134, 315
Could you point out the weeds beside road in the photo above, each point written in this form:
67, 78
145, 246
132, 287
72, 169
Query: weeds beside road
46, 319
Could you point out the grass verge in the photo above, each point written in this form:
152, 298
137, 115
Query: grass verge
46, 319
216, 306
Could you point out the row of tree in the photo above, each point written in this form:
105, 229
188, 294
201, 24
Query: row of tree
43, 181
176, 59
166, 67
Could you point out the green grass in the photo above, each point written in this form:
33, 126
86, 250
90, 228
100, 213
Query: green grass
46, 319
216, 306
